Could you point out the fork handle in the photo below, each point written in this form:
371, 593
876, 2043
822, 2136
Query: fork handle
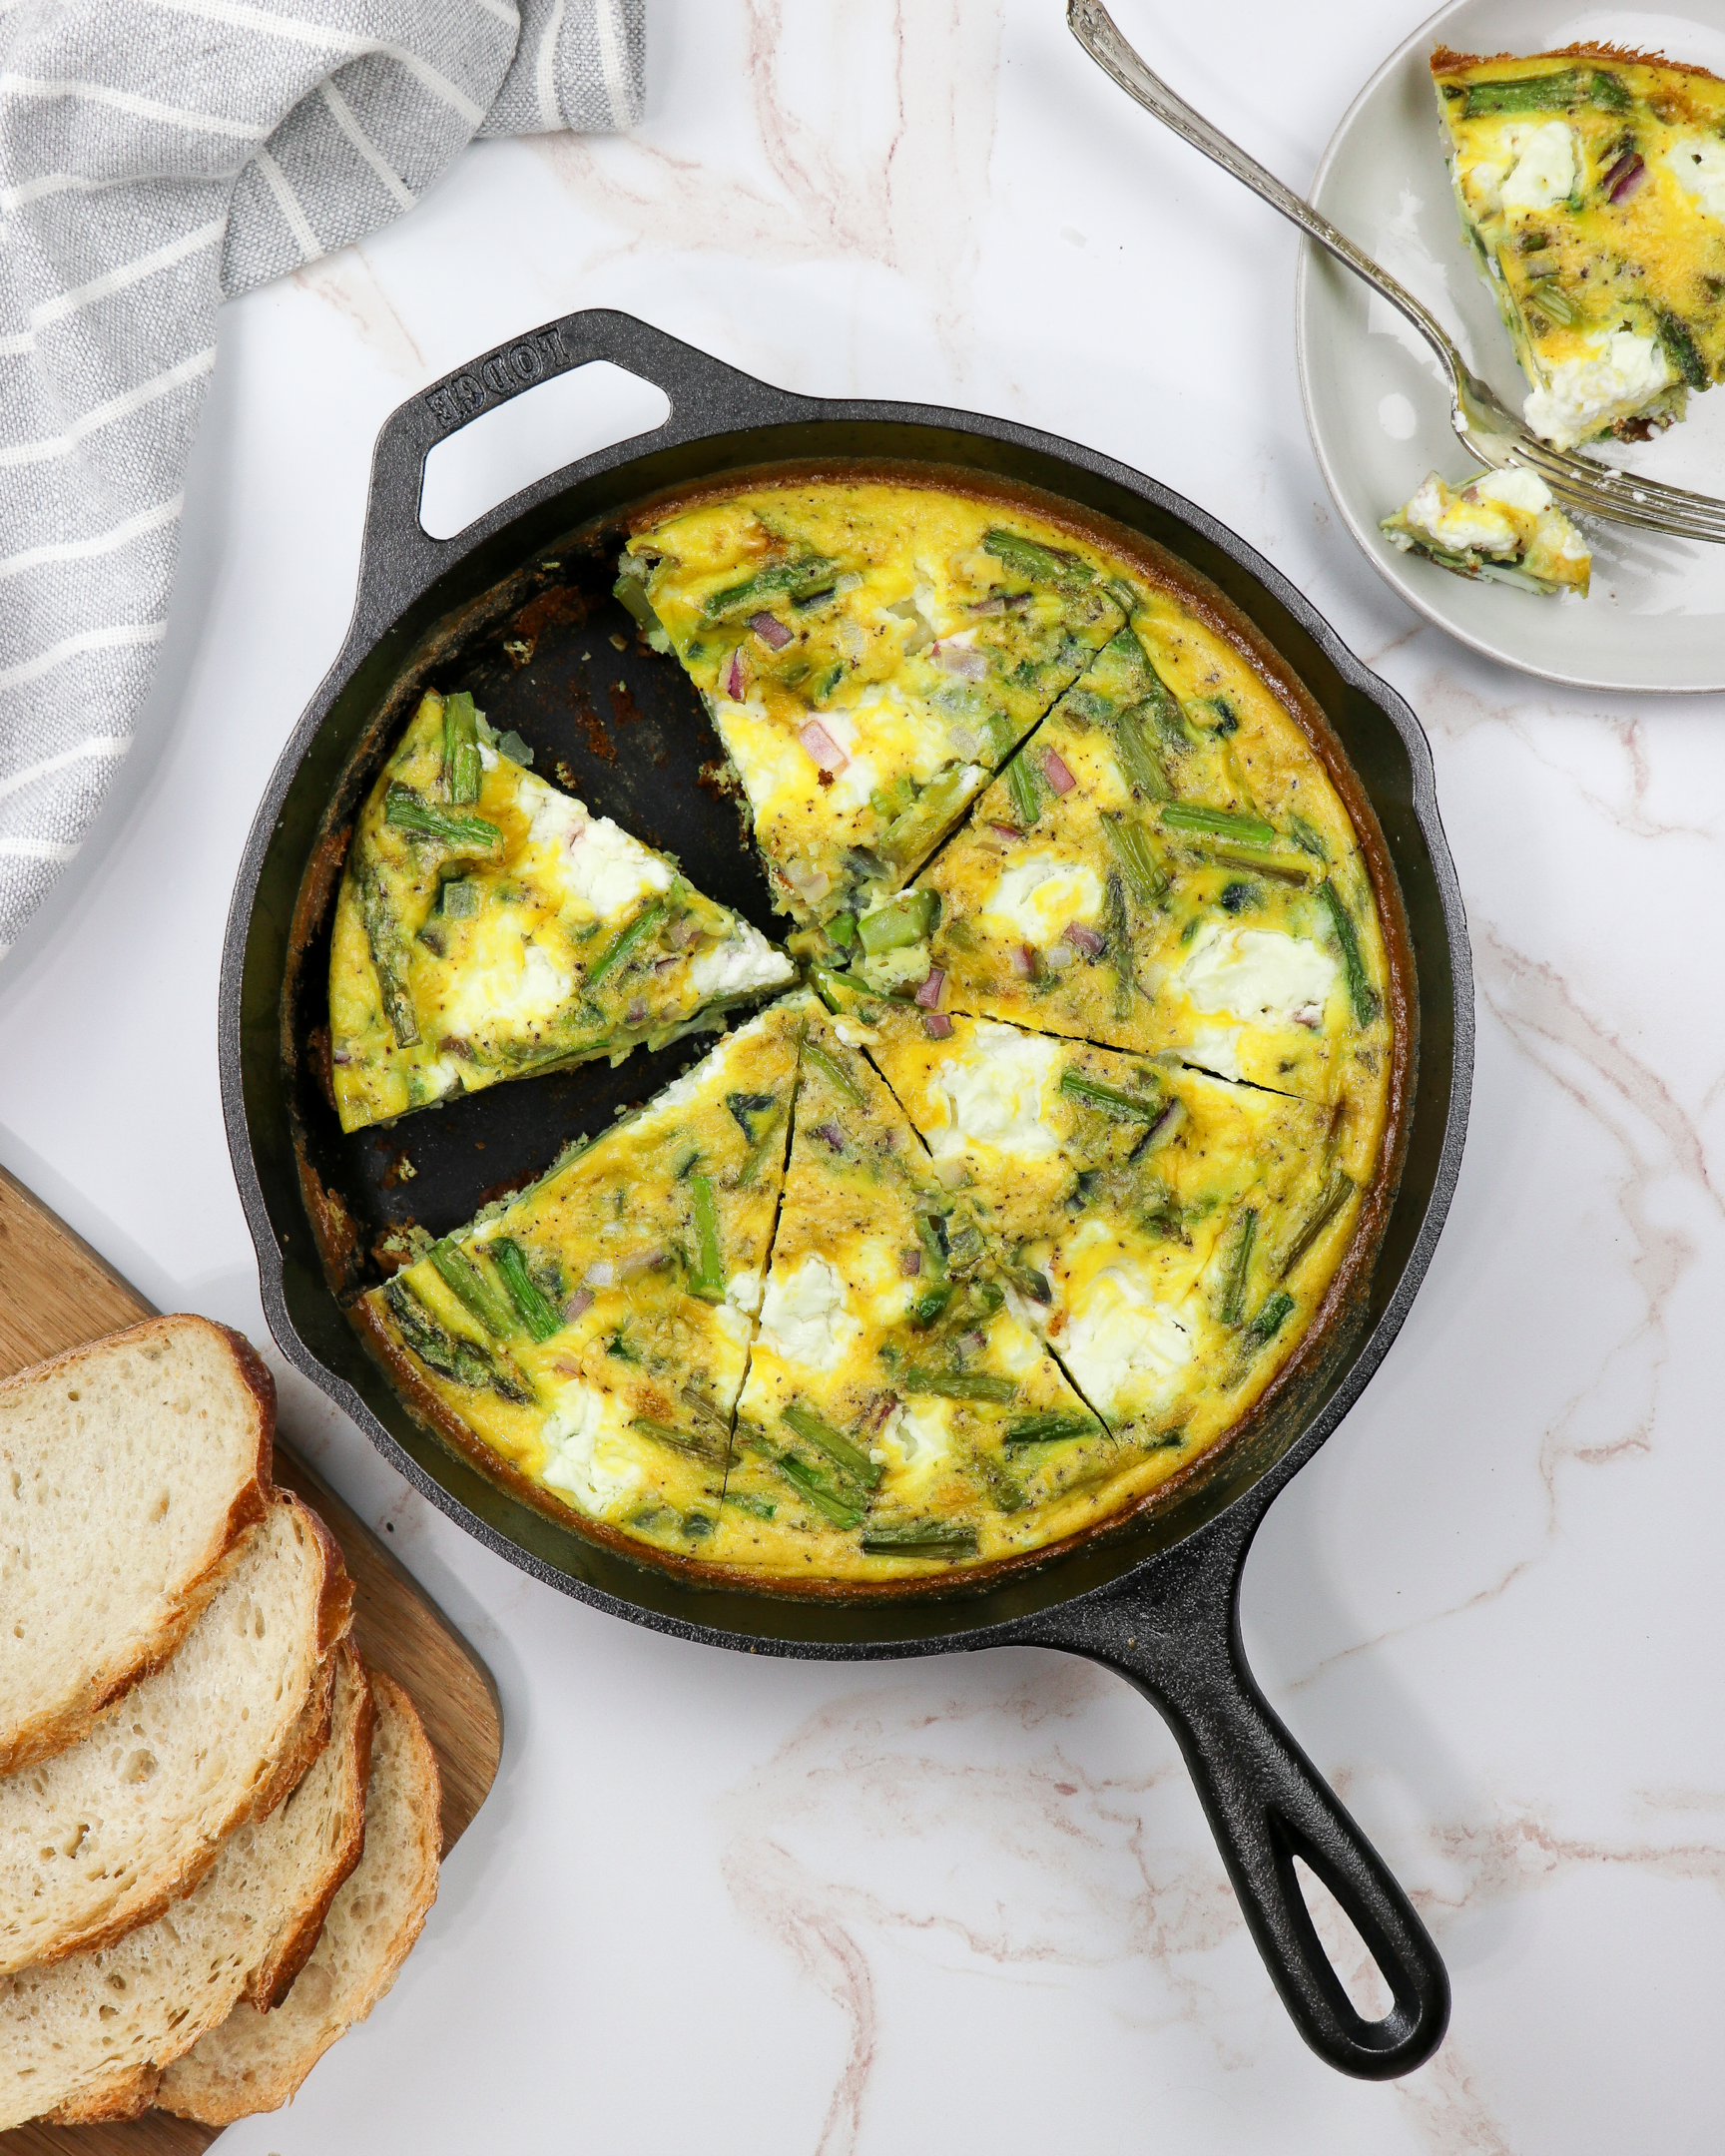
1095, 29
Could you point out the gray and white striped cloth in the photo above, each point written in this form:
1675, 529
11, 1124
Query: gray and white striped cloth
156, 156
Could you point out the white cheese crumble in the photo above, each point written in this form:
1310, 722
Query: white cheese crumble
592, 1454
917, 1436
1258, 975
744, 960
608, 870
803, 1316
1041, 894
1545, 172
1582, 396
511, 981
992, 1092
744, 1291
1121, 1346
1697, 163
1456, 526
1516, 487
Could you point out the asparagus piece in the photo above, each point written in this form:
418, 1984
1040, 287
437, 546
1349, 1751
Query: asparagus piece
958, 1385
1361, 993
1259, 863
1140, 765
641, 929
458, 1273
920, 1538
459, 898
384, 940
710, 1451
631, 591
1110, 1099
1131, 845
1120, 945
463, 771
1545, 93
463, 1362
1025, 789
913, 831
404, 811
1308, 837
1218, 822
832, 1071
799, 578
839, 1448
833, 1505
1266, 1324
1004, 1491
907, 919
929, 1304
1042, 565
1052, 1428
708, 1280
538, 1315
1337, 1188
761, 1508
1231, 1289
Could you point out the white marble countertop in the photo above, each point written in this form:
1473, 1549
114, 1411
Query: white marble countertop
742, 1905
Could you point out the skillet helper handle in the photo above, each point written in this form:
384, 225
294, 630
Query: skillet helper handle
400, 561
1177, 1640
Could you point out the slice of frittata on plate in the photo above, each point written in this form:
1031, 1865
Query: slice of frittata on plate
1168, 1234
1503, 526
901, 1416
1591, 183
487, 927
1164, 868
871, 654
590, 1336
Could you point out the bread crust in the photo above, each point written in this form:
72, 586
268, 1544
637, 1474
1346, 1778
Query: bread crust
273, 1977
40, 1735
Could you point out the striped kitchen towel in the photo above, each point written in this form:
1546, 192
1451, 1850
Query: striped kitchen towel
155, 157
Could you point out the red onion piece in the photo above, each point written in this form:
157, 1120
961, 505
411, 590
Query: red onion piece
771, 630
909, 1263
1087, 940
577, 1306
1007, 830
879, 1411
833, 1136
928, 995
1310, 1015
1056, 773
822, 748
1024, 960
570, 1370
636, 1012
936, 1026
733, 681
342, 1055
959, 658
600, 1274
641, 1260
1625, 177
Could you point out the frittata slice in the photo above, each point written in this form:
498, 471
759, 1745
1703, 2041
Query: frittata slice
901, 1416
870, 654
1164, 868
1168, 1234
1591, 183
590, 1336
1503, 526
487, 927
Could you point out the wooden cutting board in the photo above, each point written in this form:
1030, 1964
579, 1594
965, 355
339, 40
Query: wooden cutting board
56, 1293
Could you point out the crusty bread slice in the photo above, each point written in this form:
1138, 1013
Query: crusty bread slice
257, 2061
88, 2038
129, 1470
103, 1835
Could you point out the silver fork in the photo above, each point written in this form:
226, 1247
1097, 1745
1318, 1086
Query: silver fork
1485, 422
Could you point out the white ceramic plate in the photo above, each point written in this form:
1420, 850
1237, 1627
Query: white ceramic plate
1375, 399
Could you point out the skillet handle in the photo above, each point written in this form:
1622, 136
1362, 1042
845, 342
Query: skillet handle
400, 561
1175, 1636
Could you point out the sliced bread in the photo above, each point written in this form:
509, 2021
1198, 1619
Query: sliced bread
105, 1834
255, 2061
88, 2038
129, 1470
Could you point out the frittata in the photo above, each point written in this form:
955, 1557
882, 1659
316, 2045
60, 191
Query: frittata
1503, 526
866, 669
1029, 1204
487, 927
590, 1336
1591, 183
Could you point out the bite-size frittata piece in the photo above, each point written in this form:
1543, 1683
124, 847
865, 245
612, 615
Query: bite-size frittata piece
488, 926
590, 1336
900, 1414
1591, 183
1165, 867
871, 654
1503, 526
1168, 1234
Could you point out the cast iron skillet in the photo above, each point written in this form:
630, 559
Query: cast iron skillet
1158, 1601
